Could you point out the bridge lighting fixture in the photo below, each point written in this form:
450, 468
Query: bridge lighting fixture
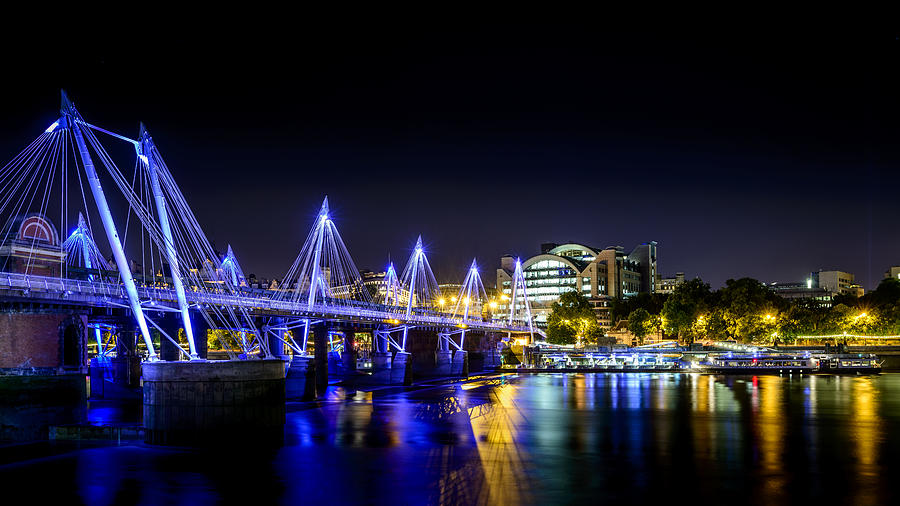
52, 127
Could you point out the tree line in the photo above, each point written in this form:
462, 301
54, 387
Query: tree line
747, 311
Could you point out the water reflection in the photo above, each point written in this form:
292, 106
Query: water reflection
769, 431
545, 438
867, 437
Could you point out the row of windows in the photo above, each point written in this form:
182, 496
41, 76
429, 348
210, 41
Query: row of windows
558, 272
556, 290
546, 264
549, 281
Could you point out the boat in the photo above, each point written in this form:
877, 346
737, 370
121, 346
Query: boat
601, 362
730, 363
850, 363
756, 363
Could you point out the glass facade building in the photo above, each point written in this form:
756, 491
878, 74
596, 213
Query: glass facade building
599, 275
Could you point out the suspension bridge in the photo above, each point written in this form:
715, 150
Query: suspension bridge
175, 270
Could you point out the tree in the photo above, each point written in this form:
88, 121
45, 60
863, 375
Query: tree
640, 323
837, 320
887, 294
572, 321
681, 310
750, 310
798, 320
652, 302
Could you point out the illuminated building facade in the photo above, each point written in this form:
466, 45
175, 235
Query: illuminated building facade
667, 285
836, 282
819, 287
601, 275
30, 245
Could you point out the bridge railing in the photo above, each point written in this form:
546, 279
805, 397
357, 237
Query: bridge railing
65, 287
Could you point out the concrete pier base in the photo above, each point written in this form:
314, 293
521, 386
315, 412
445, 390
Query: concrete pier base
320, 340
442, 362
460, 364
381, 368
348, 355
300, 381
401, 369
220, 402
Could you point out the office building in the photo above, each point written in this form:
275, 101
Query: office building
601, 275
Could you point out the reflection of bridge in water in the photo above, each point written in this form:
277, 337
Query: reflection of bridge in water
157, 283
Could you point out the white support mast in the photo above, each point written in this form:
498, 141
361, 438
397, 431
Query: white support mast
71, 118
145, 153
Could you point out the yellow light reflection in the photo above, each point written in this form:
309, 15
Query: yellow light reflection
496, 429
770, 435
866, 432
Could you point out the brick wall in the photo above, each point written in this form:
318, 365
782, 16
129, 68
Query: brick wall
36, 337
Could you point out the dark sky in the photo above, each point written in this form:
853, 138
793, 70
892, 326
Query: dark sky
767, 151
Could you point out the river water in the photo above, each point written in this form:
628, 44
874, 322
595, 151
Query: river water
547, 438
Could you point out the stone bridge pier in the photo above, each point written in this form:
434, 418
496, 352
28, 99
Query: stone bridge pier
433, 356
43, 351
201, 403
429, 356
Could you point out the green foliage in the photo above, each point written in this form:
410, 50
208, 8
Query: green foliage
572, 321
621, 309
509, 357
797, 320
744, 309
219, 339
682, 309
641, 323
749, 310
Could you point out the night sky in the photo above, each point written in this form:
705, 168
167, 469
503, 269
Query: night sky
766, 152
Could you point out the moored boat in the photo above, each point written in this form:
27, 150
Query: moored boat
731, 363
756, 363
850, 363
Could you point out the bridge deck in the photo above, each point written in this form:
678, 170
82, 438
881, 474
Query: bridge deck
94, 293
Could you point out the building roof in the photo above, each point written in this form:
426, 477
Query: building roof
576, 264
586, 251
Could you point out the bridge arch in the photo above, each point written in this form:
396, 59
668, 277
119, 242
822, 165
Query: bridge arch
72, 343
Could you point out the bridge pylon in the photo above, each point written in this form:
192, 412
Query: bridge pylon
519, 306
322, 274
72, 120
80, 247
147, 154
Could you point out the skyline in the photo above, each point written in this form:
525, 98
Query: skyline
739, 157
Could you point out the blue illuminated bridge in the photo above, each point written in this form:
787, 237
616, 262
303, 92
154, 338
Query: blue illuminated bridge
59, 196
